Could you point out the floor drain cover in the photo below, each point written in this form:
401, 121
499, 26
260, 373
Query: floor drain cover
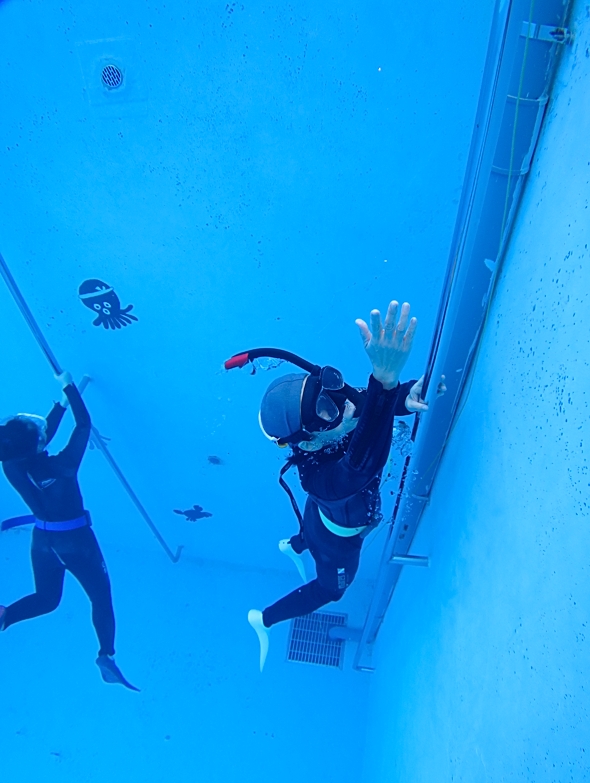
112, 77
309, 641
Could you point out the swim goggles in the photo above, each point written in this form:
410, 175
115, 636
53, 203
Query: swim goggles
330, 380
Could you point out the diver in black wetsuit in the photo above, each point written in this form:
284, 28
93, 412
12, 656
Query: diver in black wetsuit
340, 452
62, 537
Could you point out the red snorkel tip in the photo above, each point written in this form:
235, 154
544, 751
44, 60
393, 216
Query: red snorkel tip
239, 360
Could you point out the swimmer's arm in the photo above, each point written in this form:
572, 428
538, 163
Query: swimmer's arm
371, 441
53, 419
71, 456
369, 446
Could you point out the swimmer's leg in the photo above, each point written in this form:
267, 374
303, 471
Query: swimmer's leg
302, 601
48, 571
81, 555
84, 559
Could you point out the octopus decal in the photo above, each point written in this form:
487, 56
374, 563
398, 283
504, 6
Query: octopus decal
102, 299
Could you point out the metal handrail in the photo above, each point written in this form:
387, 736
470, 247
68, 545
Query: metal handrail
477, 250
95, 437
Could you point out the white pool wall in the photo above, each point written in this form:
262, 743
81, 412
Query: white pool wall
483, 659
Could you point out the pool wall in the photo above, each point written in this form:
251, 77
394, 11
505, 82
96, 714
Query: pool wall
482, 662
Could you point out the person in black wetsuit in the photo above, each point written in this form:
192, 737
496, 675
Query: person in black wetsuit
62, 537
339, 462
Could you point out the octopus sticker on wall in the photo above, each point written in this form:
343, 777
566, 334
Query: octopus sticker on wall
102, 300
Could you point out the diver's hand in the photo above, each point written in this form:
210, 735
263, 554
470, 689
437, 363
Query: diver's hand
388, 346
321, 439
65, 379
414, 401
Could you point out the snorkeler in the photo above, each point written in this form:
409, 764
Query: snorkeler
62, 537
340, 439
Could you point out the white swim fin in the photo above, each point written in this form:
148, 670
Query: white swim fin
255, 620
288, 550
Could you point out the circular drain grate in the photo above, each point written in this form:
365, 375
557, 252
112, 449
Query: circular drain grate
112, 77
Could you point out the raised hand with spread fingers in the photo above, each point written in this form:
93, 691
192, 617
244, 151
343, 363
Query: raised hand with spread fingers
388, 346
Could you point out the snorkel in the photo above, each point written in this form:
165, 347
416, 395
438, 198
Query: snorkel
314, 403
322, 394
242, 359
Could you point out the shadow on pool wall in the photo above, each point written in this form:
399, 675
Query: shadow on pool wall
275, 174
482, 660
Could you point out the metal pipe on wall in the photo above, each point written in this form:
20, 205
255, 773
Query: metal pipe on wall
95, 437
521, 61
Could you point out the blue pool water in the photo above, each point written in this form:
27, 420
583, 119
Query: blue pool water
265, 174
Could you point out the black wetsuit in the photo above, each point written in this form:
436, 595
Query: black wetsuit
49, 486
344, 485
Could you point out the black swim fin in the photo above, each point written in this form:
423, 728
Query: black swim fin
111, 673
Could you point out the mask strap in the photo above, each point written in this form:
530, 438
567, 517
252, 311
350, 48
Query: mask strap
289, 464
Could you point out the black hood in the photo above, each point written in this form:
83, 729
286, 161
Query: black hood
18, 440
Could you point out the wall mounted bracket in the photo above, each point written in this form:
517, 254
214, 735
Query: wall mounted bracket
547, 33
411, 560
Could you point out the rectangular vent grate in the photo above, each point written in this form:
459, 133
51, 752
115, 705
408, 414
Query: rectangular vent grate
309, 641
